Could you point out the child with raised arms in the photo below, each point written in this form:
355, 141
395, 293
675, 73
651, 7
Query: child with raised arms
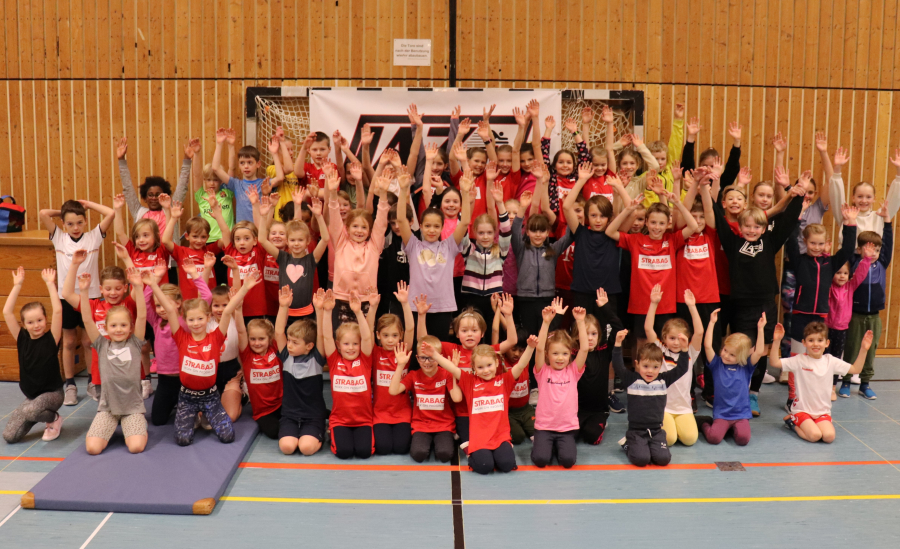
300, 348
432, 417
487, 393
810, 415
118, 350
166, 351
557, 374
66, 242
521, 413
262, 371
37, 345
243, 245
200, 352
248, 166
392, 412
349, 353
645, 439
731, 371
678, 422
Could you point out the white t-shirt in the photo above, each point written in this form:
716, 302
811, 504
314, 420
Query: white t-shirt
678, 394
230, 350
812, 379
66, 247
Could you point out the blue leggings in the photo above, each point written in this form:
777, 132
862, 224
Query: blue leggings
189, 404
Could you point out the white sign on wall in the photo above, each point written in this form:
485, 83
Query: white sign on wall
412, 52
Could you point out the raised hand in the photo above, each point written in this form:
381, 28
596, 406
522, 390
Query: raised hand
549, 123
84, 282
486, 113
318, 299
81, 255
298, 196
189, 267
230, 136
133, 275
402, 293
693, 126
18, 276
558, 308
221, 135
714, 316
779, 143
160, 268
867, 340
868, 250
177, 210
414, 117
841, 157
49, 275
422, 305
403, 177
849, 213
315, 206
521, 117
585, 170
431, 151
602, 298
329, 301
484, 131
366, 135
679, 110
165, 201
782, 177
548, 314
778, 333
745, 176
459, 151
402, 354
821, 141
578, 313
606, 114
118, 201
761, 323
656, 294
251, 192
464, 126
229, 261
571, 125
274, 145
285, 296
734, 130
122, 148
534, 109
495, 302
490, 170
675, 167
506, 305
209, 260
497, 191
689, 298
620, 337
587, 115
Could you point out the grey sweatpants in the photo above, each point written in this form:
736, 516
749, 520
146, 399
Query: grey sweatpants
31, 412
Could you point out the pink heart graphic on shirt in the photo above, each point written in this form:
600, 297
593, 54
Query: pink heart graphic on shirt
294, 272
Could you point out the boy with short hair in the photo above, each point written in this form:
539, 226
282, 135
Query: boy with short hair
645, 439
316, 145
303, 411
868, 301
66, 242
248, 167
810, 414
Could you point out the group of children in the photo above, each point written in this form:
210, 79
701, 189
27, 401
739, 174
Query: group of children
386, 277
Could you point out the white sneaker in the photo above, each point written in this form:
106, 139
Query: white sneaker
196, 422
768, 378
146, 389
71, 395
783, 378
464, 445
93, 391
51, 431
533, 397
205, 422
855, 379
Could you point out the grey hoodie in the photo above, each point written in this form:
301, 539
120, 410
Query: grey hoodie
537, 274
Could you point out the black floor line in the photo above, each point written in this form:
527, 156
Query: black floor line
459, 533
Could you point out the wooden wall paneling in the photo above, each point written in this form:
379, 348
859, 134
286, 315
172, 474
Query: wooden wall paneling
793, 131
891, 80
441, 43
129, 38
345, 36
876, 41
234, 29
824, 57
756, 136
653, 126
277, 57
770, 32
659, 67
92, 32
889, 30
615, 47
195, 51
821, 121
45, 109
597, 17
797, 31
248, 38
863, 38
849, 58
11, 30
531, 61
741, 98
811, 45
4, 53
857, 148
29, 156
735, 44
770, 128
782, 38
629, 40
719, 16
42, 36
693, 39
496, 42
263, 39
76, 38
747, 31
107, 165
396, 15
23, 20
719, 127
356, 30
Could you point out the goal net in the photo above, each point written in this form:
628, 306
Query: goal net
292, 114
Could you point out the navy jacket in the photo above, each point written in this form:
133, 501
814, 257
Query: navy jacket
814, 274
869, 297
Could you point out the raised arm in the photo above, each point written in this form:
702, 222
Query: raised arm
119, 221
173, 213
520, 366
90, 327
107, 213
251, 280
442, 361
708, 337
9, 316
285, 298
415, 119
367, 341
467, 190
612, 230
68, 289
775, 348
402, 352
584, 174
221, 136
655, 297
506, 310
697, 338
579, 313
422, 307
409, 322
548, 314
140, 305
162, 299
131, 197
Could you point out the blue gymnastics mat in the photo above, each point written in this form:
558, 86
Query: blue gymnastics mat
165, 479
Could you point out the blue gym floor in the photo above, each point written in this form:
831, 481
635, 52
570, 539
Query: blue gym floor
791, 493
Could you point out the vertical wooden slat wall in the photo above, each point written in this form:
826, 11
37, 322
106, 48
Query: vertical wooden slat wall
77, 74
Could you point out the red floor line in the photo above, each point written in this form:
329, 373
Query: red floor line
22, 458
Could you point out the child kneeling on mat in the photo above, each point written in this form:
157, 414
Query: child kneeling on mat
490, 444
119, 363
300, 348
199, 353
645, 440
813, 372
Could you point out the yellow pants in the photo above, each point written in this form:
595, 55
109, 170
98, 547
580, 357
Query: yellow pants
681, 427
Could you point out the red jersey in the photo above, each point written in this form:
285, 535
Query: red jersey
270, 283
510, 183
99, 308
597, 185
432, 412
652, 263
351, 392
564, 187
199, 358
315, 174
520, 393
489, 402
391, 409
145, 261
465, 364
255, 301
185, 284
695, 267
263, 376
564, 265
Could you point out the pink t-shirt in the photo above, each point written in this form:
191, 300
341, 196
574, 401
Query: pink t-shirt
557, 408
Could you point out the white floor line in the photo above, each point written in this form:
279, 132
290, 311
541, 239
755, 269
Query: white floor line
9, 516
97, 529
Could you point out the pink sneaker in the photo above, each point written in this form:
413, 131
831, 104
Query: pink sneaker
51, 431
152, 367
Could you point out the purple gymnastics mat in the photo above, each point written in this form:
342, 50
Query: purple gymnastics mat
165, 479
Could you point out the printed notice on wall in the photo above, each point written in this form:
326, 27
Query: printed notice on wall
412, 53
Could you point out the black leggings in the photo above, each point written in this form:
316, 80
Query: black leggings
438, 324
462, 428
164, 399
392, 438
268, 424
502, 458
347, 442
421, 446
546, 442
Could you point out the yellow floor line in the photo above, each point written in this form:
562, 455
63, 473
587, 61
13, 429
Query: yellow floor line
11, 492
563, 501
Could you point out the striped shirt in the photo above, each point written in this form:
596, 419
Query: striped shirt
484, 272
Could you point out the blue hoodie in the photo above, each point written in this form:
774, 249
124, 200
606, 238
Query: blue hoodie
869, 297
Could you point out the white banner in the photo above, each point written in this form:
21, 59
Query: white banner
348, 109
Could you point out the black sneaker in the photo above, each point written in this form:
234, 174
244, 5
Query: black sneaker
789, 423
615, 406
788, 404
